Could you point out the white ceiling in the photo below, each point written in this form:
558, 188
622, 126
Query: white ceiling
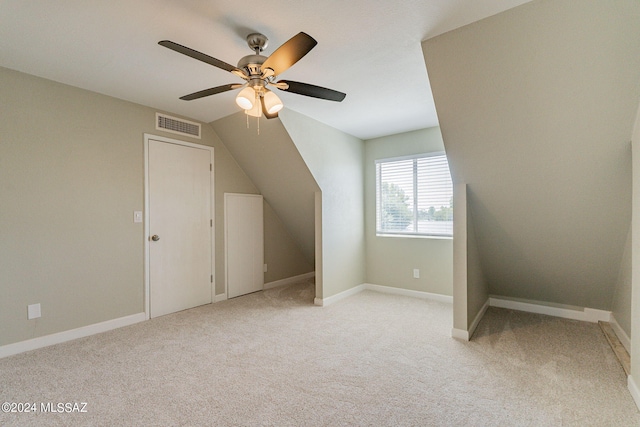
369, 49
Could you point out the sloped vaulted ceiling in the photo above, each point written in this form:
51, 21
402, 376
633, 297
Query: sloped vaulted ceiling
367, 49
271, 160
536, 107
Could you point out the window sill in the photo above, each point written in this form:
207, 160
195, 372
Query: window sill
414, 236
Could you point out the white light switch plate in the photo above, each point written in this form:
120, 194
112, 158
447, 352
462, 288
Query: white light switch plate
33, 311
137, 216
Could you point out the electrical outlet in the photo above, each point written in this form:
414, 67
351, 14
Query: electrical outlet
33, 311
416, 273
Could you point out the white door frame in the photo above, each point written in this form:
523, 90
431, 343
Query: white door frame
147, 284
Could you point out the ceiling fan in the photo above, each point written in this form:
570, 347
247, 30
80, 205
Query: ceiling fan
260, 72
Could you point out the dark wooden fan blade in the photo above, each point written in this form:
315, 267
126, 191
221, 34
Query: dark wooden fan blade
289, 53
264, 110
209, 92
313, 91
200, 56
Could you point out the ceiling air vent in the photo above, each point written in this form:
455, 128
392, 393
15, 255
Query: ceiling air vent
176, 125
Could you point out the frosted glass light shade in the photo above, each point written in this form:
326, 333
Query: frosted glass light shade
256, 111
272, 103
246, 98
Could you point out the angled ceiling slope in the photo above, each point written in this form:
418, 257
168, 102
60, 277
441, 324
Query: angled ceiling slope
369, 50
536, 108
274, 164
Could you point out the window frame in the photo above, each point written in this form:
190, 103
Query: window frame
378, 201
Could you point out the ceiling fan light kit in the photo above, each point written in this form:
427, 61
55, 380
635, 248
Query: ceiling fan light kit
260, 71
246, 98
272, 103
255, 111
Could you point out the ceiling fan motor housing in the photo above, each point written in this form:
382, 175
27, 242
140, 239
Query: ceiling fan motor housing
252, 64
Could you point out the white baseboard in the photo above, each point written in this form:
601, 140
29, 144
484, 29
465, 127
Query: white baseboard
460, 334
289, 280
409, 293
634, 390
323, 302
586, 315
621, 334
594, 315
72, 334
220, 297
383, 289
466, 335
478, 318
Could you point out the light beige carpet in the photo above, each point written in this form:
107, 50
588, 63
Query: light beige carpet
273, 359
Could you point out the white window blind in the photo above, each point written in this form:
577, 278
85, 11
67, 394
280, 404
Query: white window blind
414, 196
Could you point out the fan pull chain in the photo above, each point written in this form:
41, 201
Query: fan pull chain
258, 120
247, 120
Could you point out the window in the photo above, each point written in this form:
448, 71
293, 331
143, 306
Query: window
414, 196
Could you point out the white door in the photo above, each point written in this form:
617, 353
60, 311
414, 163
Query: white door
180, 270
244, 242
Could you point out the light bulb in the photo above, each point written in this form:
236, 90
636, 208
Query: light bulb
246, 98
272, 103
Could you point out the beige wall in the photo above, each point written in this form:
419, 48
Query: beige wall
536, 106
621, 307
283, 256
460, 260
390, 260
470, 288
635, 260
477, 286
71, 175
273, 163
229, 178
335, 160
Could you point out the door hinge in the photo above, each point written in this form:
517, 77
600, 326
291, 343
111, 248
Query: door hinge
211, 166
212, 278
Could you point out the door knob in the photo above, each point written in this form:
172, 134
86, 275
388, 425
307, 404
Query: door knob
155, 237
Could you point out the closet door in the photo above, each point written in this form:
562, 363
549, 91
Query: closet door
244, 243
